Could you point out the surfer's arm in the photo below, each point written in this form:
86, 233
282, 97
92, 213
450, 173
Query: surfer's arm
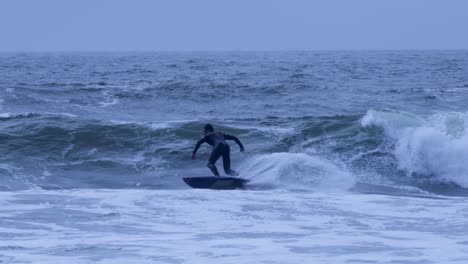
229, 137
201, 141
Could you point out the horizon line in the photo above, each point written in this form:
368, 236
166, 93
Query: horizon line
227, 50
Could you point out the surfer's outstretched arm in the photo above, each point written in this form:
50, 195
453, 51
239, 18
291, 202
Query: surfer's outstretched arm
229, 137
201, 141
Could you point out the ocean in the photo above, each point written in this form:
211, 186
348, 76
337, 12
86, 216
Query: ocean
352, 157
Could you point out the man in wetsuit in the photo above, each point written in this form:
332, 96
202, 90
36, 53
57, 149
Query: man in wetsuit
220, 148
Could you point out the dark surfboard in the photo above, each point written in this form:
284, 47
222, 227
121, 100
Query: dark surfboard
217, 183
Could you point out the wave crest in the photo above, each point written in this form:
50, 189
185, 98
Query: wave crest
435, 146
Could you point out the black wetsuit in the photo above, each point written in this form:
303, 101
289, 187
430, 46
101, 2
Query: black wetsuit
220, 148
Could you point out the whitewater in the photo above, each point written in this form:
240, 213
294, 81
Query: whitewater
352, 157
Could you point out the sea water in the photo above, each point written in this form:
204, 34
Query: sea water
352, 157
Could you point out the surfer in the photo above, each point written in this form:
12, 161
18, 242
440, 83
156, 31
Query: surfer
220, 148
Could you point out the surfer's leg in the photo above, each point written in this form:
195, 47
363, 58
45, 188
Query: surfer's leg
215, 154
227, 161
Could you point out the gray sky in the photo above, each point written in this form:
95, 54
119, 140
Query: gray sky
155, 25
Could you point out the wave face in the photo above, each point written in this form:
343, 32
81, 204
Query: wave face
391, 122
390, 150
62, 151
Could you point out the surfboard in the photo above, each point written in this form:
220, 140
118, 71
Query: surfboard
217, 183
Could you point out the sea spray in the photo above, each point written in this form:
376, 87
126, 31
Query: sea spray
297, 171
435, 146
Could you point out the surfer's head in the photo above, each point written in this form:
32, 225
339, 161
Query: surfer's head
207, 128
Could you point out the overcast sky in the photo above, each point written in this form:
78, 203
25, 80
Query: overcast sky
156, 25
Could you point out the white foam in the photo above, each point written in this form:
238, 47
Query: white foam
435, 146
297, 170
108, 100
275, 130
63, 114
392, 121
5, 115
205, 226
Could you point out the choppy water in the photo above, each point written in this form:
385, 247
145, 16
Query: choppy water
353, 157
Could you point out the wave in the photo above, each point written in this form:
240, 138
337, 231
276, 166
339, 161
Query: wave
68, 151
435, 146
378, 149
49, 148
297, 171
